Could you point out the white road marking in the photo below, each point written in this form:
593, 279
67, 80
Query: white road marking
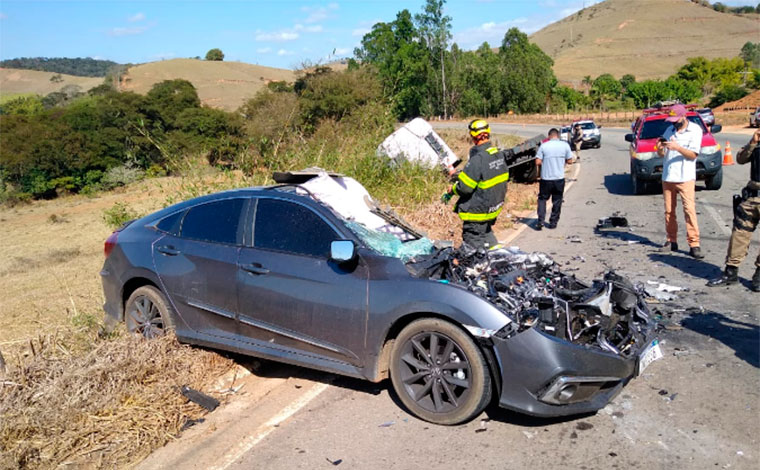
718, 219
264, 430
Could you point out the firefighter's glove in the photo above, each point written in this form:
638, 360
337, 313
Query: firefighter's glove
447, 197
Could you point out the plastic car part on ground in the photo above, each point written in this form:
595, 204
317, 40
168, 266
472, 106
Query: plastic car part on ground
529, 288
417, 142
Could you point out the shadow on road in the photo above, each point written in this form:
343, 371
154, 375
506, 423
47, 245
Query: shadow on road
626, 237
618, 184
743, 338
685, 263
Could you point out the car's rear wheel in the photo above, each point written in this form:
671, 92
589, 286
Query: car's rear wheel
146, 313
439, 373
714, 182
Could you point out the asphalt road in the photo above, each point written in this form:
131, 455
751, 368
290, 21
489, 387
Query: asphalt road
695, 409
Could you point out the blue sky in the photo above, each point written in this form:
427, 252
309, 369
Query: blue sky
282, 34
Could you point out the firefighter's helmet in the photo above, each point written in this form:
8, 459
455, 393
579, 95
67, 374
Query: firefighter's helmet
479, 126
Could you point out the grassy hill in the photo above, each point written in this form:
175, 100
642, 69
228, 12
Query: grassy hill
223, 85
24, 82
648, 38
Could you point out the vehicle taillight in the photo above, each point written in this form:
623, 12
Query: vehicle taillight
110, 243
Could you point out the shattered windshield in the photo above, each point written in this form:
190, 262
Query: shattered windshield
388, 244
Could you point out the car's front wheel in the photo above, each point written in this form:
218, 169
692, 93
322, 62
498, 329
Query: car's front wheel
439, 373
146, 313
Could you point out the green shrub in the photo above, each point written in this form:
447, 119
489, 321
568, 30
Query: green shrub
118, 214
122, 175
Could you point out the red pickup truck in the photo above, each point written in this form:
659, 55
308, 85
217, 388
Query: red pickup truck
646, 165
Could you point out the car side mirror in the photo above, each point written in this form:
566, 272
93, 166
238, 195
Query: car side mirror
629, 137
342, 251
715, 128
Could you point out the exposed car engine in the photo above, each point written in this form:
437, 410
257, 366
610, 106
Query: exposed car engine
531, 290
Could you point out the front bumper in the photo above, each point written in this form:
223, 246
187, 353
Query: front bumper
650, 170
539, 371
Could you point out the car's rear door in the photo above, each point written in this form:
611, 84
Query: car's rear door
291, 296
197, 265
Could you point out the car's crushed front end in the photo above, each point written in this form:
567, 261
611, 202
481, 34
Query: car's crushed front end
569, 347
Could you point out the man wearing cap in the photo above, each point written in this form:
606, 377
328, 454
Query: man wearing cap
481, 187
680, 148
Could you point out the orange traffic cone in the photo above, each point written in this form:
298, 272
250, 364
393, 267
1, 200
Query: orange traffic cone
728, 157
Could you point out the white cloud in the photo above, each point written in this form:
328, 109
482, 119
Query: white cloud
264, 50
360, 32
127, 31
283, 52
317, 14
276, 36
492, 32
316, 28
136, 17
341, 51
3, 16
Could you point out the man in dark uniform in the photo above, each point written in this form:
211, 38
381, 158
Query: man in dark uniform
746, 219
481, 188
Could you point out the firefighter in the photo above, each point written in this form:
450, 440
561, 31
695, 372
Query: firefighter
746, 219
481, 188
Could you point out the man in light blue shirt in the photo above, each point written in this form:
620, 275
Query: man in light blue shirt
551, 158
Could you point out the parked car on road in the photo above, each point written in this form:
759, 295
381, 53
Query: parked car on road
592, 135
646, 165
295, 273
707, 116
754, 118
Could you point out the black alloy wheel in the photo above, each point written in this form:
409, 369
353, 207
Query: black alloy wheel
146, 313
439, 373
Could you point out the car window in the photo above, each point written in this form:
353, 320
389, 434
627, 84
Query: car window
217, 221
170, 224
290, 227
656, 128
588, 125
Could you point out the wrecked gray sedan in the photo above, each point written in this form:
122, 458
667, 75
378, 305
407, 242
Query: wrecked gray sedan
313, 273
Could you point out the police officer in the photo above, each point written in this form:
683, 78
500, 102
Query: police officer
746, 219
481, 188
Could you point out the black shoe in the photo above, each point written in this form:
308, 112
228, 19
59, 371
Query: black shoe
730, 276
551, 225
539, 226
755, 286
668, 247
696, 252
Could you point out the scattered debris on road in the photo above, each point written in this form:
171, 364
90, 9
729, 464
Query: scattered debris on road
616, 220
199, 398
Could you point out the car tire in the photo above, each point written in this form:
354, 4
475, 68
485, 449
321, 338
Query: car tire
146, 313
714, 182
639, 187
424, 379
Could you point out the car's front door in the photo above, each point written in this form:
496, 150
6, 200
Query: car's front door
291, 296
197, 265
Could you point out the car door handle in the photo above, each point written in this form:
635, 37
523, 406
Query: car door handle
167, 250
254, 268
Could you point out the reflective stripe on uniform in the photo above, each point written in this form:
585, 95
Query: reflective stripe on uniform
473, 217
467, 180
454, 189
494, 181
492, 150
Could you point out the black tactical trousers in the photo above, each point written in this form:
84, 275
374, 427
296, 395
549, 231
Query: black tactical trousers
479, 234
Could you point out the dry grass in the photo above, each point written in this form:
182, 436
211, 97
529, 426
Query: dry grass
104, 408
22, 82
223, 85
611, 36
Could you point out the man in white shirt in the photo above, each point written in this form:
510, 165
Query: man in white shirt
680, 148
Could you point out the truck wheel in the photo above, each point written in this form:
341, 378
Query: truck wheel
439, 373
714, 182
639, 187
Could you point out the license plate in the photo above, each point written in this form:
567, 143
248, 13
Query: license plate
652, 353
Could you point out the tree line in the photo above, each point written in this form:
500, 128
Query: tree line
82, 67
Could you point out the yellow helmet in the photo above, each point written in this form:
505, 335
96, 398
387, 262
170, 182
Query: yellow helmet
479, 126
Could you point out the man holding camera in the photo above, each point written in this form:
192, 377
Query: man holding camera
746, 219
